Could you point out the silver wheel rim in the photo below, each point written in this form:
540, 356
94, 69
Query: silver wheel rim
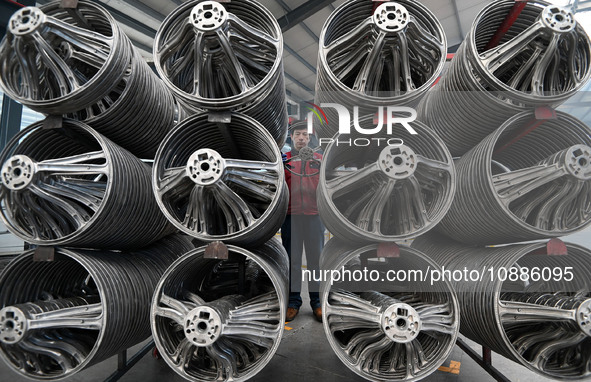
213, 193
207, 331
371, 332
395, 192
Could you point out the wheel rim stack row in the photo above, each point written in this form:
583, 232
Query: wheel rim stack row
60, 316
542, 60
541, 324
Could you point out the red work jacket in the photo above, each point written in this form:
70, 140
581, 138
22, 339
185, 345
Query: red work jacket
302, 189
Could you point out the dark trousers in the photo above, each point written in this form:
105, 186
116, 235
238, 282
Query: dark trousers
299, 232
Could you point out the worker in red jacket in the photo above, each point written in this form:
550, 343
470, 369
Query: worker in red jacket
302, 227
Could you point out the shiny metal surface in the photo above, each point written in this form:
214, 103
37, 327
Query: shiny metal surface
221, 181
80, 64
387, 331
380, 193
543, 59
216, 320
59, 317
534, 187
543, 325
72, 186
225, 56
377, 54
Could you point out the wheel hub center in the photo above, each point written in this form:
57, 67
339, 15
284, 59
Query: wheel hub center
17, 172
13, 325
306, 153
401, 323
578, 161
584, 317
205, 167
25, 21
391, 17
398, 162
208, 16
203, 326
559, 19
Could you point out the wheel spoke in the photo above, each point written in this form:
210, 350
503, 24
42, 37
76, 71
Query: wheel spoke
370, 65
252, 187
512, 185
373, 351
76, 353
232, 62
435, 165
346, 311
240, 212
520, 312
546, 349
353, 38
525, 70
75, 213
198, 50
415, 358
541, 67
194, 219
370, 217
405, 62
62, 73
80, 317
58, 357
92, 42
248, 33
73, 193
416, 201
175, 309
251, 165
494, 58
30, 81
352, 180
429, 41
171, 178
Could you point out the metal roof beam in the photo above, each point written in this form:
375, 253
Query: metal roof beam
300, 59
287, 8
301, 13
297, 82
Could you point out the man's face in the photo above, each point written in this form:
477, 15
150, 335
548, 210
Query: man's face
300, 139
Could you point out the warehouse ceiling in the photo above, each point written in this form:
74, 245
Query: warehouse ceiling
301, 22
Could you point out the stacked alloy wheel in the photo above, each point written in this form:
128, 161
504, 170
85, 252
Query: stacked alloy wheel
534, 188
542, 60
222, 320
77, 62
375, 55
63, 186
387, 331
543, 324
61, 316
221, 182
225, 56
385, 193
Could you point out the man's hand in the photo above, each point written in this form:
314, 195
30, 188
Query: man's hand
284, 157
